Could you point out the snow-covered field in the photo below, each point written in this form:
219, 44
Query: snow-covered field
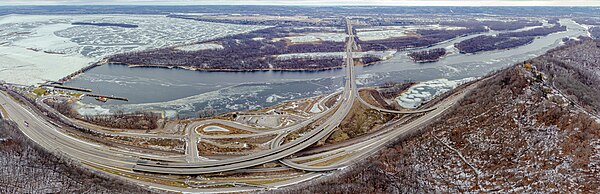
34, 48
200, 47
214, 128
315, 108
315, 37
422, 92
384, 55
88, 109
387, 32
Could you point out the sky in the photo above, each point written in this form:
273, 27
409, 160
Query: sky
313, 2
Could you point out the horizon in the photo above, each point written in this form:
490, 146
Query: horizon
315, 3
299, 5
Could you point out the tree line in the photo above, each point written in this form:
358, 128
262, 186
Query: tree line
119, 119
488, 43
240, 52
493, 24
505, 40
424, 38
428, 55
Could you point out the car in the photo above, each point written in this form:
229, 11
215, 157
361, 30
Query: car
26, 123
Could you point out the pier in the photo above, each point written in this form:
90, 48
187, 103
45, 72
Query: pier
68, 88
100, 97
82, 70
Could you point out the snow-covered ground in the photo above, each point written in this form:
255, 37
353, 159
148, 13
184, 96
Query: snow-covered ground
213, 128
34, 48
387, 32
384, 55
315, 108
425, 91
201, 46
90, 109
315, 37
382, 34
274, 98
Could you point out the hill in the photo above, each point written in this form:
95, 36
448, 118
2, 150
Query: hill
515, 133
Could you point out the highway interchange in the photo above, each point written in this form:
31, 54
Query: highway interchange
57, 139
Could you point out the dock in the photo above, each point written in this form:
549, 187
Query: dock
82, 70
101, 97
68, 88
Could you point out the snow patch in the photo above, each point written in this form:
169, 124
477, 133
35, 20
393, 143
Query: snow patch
200, 47
273, 98
89, 109
315, 108
422, 92
387, 32
315, 37
383, 55
213, 128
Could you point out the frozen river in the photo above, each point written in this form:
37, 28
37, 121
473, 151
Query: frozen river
35, 48
186, 92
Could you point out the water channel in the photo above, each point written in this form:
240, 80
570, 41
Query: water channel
184, 92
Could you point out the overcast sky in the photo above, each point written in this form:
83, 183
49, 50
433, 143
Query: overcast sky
312, 2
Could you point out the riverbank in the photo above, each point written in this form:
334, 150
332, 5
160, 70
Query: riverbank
191, 68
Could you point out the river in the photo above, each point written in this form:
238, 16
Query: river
184, 92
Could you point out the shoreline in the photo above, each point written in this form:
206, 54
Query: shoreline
190, 68
218, 70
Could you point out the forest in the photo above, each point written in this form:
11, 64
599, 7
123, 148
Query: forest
244, 52
425, 38
595, 32
587, 21
542, 31
278, 22
427, 55
240, 53
119, 120
505, 40
459, 21
489, 43
575, 70
493, 24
